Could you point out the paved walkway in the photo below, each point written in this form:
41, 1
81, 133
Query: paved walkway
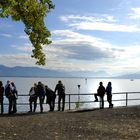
103, 124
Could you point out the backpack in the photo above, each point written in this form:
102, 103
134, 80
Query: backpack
8, 91
32, 92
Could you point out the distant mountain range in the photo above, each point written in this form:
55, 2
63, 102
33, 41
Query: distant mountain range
28, 72
19, 71
131, 76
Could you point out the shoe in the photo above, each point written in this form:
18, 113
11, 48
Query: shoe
101, 107
95, 100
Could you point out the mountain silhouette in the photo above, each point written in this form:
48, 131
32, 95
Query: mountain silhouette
19, 71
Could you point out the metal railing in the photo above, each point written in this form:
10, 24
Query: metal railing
78, 98
124, 98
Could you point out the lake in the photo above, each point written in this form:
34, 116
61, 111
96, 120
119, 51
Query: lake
87, 85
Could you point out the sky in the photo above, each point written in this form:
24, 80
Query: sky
87, 35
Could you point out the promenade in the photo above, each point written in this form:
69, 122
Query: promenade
97, 124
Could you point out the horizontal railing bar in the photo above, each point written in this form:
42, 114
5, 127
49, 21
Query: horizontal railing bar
90, 93
76, 102
69, 102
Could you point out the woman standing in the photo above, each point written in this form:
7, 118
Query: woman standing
33, 97
14, 97
109, 94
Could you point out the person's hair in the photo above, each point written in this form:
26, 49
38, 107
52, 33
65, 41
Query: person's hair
109, 83
35, 84
12, 83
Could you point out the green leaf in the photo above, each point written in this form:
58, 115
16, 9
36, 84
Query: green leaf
32, 14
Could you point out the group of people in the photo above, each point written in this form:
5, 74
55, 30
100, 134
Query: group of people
101, 92
11, 94
40, 91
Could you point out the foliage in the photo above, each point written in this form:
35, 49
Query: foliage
32, 14
78, 104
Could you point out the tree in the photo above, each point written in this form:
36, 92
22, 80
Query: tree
32, 14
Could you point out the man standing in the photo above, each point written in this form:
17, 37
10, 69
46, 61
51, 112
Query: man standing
41, 95
8, 94
61, 95
100, 93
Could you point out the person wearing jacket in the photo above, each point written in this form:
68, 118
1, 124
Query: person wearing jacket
109, 94
60, 89
1, 96
33, 97
8, 94
50, 94
41, 95
100, 93
14, 97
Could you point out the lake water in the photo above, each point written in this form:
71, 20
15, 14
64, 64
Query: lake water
87, 85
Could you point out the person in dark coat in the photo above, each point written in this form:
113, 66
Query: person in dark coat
8, 94
100, 93
33, 97
61, 95
50, 98
1, 96
41, 95
109, 94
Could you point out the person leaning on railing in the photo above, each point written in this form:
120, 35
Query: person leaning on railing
50, 94
100, 93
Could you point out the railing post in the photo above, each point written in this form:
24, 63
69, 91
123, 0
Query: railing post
69, 101
126, 99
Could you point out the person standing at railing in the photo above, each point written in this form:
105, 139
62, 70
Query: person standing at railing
109, 94
41, 95
1, 96
50, 94
100, 93
60, 88
8, 94
14, 97
33, 97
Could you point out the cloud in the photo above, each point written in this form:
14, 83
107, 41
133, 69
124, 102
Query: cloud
104, 27
103, 23
6, 35
135, 14
94, 18
74, 51
77, 51
27, 47
23, 37
83, 45
20, 59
